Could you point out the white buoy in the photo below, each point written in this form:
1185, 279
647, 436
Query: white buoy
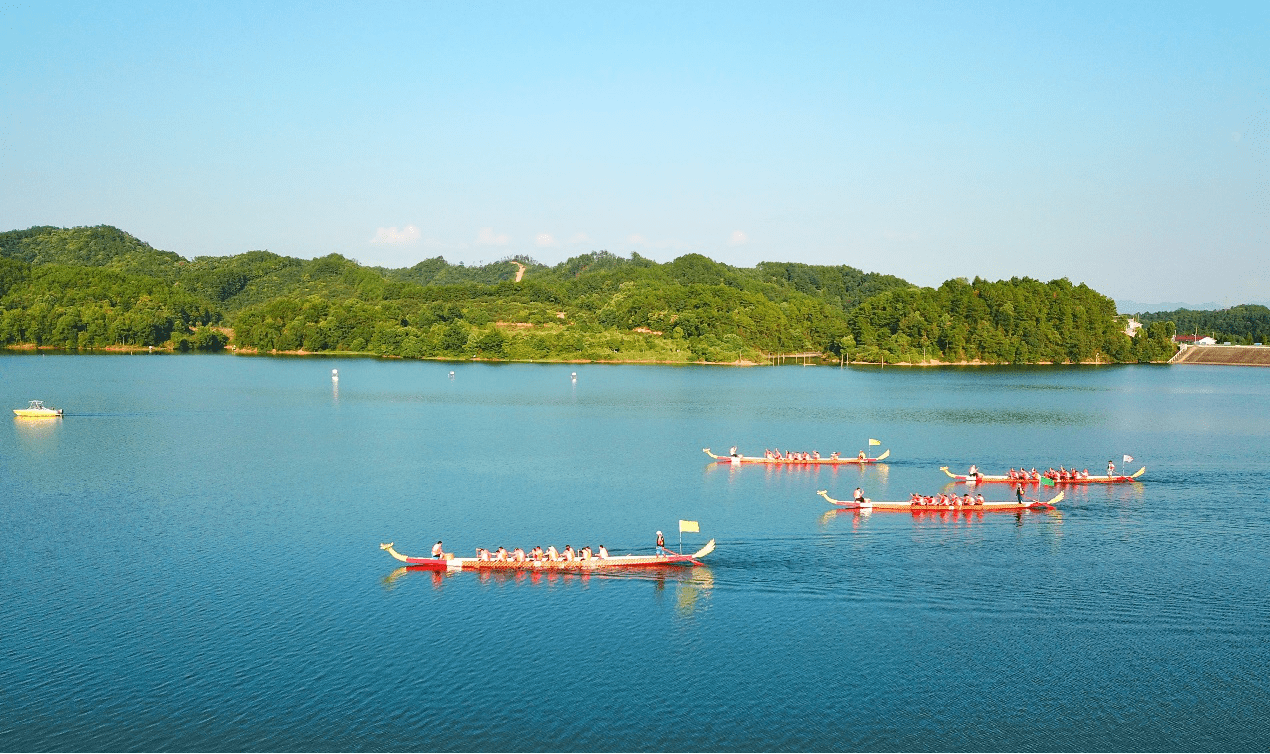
451, 375
575, 376
335, 375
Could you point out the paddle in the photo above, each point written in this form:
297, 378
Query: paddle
1049, 504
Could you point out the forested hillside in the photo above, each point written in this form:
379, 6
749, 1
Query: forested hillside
87, 288
1241, 325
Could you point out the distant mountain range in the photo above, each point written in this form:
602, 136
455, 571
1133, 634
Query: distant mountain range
1125, 306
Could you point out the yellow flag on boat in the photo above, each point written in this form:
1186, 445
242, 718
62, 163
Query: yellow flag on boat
874, 442
688, 526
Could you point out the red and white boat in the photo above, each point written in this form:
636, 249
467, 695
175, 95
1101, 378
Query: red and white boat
911, 506
985, 478
450, 563
796, 461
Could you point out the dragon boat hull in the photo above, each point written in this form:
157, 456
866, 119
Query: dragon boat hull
996, 478
908, 506
794, 462
615, 562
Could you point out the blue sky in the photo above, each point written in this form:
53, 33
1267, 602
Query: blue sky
1125, 145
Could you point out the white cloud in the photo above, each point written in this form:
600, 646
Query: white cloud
544, 239
487, 237
636, 238
738, 238
408, 234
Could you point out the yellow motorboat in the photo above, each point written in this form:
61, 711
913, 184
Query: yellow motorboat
37, 409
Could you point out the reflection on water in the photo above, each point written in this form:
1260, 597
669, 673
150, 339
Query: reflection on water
691, 584
837, 514
36, 426
695, 587
37, 433
438, 577
950, 518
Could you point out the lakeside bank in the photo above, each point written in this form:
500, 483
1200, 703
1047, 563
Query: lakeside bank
1245, 356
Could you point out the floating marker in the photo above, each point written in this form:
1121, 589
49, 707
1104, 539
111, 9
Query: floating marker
575, 376
335, 375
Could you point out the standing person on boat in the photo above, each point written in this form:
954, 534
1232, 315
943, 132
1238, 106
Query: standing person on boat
604, 553
1111, 469
661, 544
1018, 492
859, 495
438, 550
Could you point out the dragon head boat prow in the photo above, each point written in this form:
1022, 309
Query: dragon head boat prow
704, 551
393, 552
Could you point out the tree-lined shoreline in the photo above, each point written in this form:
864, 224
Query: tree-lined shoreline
92, 289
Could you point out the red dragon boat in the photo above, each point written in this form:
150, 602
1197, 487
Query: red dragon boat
450, 563
907, 505
795, 461
985, 478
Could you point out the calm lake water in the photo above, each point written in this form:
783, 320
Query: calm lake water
189, 559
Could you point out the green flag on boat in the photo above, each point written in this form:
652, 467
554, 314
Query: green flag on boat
1047, 482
